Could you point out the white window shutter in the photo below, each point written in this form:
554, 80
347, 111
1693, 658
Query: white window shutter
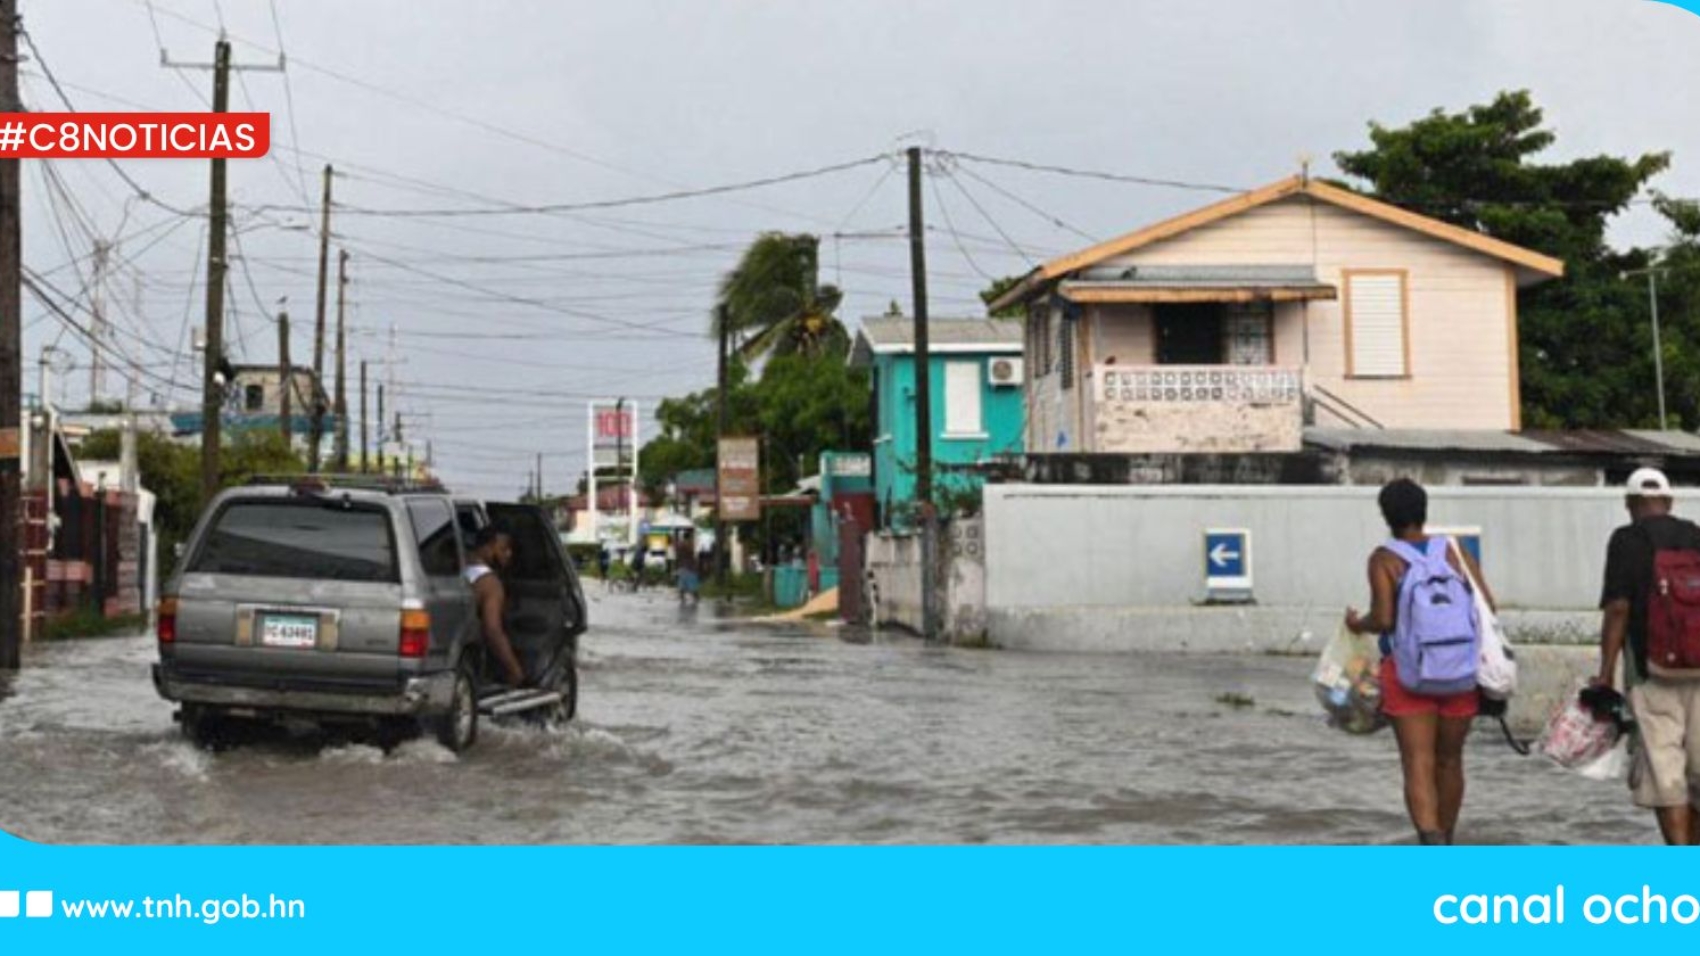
1377, 314
962, 398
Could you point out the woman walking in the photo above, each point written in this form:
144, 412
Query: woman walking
1431, 711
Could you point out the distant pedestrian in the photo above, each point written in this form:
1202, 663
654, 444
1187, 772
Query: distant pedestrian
690, 580
1431, 726
637, 567
1651, 564
604, 559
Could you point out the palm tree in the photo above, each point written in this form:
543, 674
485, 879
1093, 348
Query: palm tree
774, 302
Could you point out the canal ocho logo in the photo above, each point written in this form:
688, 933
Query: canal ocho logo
36, 904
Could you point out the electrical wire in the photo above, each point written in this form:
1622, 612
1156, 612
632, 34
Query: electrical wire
1030, 207
627, 202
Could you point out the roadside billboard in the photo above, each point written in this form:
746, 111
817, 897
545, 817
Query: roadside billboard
739, 462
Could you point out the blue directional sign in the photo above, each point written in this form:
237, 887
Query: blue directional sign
1227, 562
1469, 538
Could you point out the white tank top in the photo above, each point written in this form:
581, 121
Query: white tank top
475, 571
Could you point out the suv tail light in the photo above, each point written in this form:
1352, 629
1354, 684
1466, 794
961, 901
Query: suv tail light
415, 633
167, 628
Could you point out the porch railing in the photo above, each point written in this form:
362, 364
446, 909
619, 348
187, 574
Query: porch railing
1233, 384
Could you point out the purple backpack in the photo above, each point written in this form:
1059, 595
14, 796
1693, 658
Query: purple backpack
1437, 639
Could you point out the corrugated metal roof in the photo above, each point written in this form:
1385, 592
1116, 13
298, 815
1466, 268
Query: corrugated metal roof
1536, 442
1227, 276
890, 331
1411, 439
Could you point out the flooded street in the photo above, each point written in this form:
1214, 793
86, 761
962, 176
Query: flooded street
696, 731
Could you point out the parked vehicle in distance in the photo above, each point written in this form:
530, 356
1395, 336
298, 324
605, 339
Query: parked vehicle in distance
342, 601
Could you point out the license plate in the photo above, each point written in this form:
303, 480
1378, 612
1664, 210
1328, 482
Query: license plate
289, 630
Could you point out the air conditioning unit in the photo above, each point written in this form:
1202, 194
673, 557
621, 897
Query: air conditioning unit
1005, 371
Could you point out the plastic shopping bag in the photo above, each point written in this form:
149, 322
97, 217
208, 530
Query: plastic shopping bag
1574, 737
1613, 766
1496, 669
1348, 684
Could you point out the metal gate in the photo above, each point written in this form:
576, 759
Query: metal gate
852, 580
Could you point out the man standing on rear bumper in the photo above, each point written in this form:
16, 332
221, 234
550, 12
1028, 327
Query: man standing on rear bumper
493, 550
1665, 775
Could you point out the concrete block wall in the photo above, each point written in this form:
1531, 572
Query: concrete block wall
894, 577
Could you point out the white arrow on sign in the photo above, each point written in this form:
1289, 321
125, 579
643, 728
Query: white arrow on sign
1221, 555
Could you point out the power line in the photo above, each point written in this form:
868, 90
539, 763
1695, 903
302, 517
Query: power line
33, 282
509, 209
1091, 174
944, 211
1030, 207
46, 71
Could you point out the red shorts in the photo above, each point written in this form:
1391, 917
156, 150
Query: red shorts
1396, 701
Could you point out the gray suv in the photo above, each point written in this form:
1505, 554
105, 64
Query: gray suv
341, 604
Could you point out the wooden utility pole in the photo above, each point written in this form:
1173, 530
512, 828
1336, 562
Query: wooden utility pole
380, 435
285, 381
923, 400
212, 389
539, 498
723, 322
364, 451
341, 363
317, 432
11, 371
97, 322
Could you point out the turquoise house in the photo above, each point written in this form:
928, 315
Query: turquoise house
976, 373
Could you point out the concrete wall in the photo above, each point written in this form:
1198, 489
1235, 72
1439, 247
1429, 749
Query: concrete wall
894, 576
1122, 568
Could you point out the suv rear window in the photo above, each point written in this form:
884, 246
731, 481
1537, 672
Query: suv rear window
299, 539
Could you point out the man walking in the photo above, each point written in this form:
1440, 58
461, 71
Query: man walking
1652, 563
689, 579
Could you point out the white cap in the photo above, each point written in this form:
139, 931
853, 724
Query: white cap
1648, 483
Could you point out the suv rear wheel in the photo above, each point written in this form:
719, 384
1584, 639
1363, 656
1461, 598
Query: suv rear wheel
202, 726
457, 728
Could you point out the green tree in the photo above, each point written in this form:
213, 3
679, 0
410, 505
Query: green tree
774, 304
172, 472
998, 287
1586, 357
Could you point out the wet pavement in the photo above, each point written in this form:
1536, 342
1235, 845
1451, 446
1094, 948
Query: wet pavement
696, 730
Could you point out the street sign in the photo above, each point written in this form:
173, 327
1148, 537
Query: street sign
1227, 563
1469, 538
613, 434
739, 462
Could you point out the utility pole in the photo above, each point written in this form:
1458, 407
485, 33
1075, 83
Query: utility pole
380, 428
285, 381
1652, 274
364, 460
318, 410
11, 371
398, 440
212, 388
923, 402
97, 321
620, 442
722, 321
341, 363
539, 478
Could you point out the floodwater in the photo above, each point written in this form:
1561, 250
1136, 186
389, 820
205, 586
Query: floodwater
696, 730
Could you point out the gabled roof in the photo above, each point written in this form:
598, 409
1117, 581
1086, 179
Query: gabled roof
895, 334
1542, 266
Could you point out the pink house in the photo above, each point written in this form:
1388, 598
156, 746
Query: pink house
1233, 327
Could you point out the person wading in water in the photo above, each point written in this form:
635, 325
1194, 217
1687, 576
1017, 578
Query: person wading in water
1431, 729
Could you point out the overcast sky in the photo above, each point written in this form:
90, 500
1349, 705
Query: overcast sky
503, 324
